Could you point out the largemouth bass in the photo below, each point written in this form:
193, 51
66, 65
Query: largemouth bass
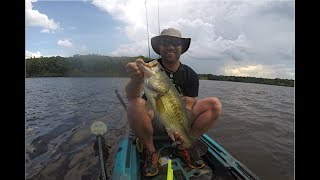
166, 101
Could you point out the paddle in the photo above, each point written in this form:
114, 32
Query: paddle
99, 129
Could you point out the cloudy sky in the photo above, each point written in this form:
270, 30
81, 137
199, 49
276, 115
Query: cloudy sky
237, 38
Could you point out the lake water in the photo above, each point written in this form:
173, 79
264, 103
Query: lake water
256, 125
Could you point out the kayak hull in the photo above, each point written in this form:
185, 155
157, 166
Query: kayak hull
219, 163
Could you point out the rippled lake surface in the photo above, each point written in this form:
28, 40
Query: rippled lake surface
256, 125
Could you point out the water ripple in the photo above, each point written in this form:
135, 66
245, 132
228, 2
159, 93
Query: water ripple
256, 125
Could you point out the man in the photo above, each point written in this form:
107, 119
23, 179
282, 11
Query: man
170, 45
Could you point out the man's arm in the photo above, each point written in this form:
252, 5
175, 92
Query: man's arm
134, 88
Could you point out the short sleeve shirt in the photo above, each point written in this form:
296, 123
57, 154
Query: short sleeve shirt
185, 80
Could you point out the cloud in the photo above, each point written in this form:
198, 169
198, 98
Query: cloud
45, 31
249, 70
35, 18
259, 70
65, 43
129, 50
69, 48
29, 54
222, 32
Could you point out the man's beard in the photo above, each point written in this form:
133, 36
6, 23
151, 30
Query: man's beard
171, 57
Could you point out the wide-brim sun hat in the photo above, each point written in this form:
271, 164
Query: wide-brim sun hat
171, 33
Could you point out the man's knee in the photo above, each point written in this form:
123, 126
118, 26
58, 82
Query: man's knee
215, 104
137, 109
209, 103
135, 104
136, 101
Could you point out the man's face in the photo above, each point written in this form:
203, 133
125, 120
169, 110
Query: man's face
170, 49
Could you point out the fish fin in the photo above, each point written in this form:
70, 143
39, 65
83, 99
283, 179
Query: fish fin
190, 117
170, 134
159, 104
183, 101
189, 114
148, 106
198, 148
175, 142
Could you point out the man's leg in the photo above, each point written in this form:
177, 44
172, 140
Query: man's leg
140, 122
206, 111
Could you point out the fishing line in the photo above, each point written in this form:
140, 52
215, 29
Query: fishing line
158, 18
158, 23
145, 4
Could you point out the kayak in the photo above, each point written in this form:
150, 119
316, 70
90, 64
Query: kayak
219, 163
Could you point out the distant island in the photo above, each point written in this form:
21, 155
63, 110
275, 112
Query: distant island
105, 66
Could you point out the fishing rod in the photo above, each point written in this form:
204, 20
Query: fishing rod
120, 99
99, 129
158, 19
145, 3
158, 23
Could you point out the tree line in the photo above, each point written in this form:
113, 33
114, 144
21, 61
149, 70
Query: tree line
106, 66
77, 66
276, 81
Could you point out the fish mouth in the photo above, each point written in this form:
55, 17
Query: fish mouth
146, 67
151, 79
152, 64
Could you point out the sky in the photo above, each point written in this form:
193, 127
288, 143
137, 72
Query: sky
249, 38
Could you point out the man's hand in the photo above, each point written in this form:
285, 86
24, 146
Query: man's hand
178, 141
134, 71
178, 137
135, 85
